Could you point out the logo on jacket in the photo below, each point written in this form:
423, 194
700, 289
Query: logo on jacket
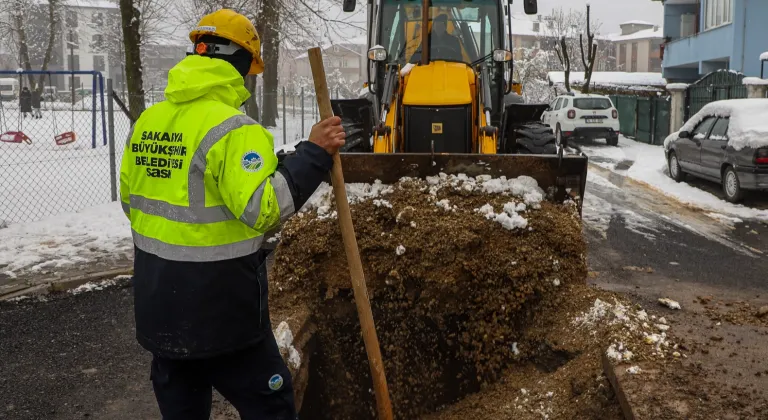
252, 161
275, 382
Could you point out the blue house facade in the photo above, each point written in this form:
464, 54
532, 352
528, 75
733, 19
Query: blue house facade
702, 36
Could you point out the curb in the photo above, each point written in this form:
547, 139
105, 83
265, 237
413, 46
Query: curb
66, 284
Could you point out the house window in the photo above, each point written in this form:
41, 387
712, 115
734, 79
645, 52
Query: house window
622, 65
72, 40
99, 63
97, 18
634, 56
717, 13
71, 19
97, 42
76, 66
536, 26
654, 61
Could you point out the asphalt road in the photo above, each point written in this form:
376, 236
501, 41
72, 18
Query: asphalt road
75, 357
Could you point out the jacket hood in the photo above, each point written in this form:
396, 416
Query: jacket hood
198, 77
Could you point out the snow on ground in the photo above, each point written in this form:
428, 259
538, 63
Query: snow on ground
43, 179
66, 240
650, 166
598, 214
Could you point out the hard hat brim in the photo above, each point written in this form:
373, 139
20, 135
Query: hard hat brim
257, 66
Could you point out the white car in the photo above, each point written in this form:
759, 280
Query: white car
578, 116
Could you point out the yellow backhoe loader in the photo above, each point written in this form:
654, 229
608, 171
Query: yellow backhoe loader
451, 106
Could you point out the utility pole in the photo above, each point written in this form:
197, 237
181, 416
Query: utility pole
72, 64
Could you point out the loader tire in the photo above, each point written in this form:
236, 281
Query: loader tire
535, 139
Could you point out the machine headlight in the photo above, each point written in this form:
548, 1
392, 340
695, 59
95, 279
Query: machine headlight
502, 56
377, 53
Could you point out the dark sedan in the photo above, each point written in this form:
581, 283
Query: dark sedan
726, 142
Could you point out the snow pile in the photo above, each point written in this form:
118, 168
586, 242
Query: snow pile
323, 199
639, 81
669, 303
90, 286
677, 86
627, 328
66, 240
748, 122
754, 81
284, 338
400, 250
508, 218
764, 56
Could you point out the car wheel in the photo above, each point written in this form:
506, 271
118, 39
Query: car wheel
732, 185
612, 141
675, 171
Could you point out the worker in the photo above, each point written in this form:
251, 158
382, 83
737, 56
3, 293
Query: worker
443, 46
201, 185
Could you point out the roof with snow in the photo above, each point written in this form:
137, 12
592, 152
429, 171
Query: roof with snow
652, 33
637, 22
92, 4
612, 78
748, 125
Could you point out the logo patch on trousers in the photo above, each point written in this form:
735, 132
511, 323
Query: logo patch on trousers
252, 161
275, 382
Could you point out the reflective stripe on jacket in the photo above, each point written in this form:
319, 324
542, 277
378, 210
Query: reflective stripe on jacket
198, 178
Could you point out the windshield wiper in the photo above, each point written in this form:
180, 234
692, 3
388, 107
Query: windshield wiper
480, 60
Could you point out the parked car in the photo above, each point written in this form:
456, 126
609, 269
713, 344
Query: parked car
725, 142
578, 117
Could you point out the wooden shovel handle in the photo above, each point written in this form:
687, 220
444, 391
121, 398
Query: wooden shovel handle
383, 402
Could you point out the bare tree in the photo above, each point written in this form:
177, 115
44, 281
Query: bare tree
588, 58
563, 54
15, 18
131, 22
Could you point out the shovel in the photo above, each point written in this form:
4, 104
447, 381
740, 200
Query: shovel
383, 403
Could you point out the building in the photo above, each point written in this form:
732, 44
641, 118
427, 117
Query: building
638, 47
538, 33
703, 36
348, 58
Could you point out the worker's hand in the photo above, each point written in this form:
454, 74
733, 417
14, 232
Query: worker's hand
328, 134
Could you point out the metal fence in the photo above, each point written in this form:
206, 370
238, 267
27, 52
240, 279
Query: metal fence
67, 157
645, 119
54, 155
716, 86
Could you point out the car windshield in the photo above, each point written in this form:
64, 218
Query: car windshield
592, 103
6, 88
461, 30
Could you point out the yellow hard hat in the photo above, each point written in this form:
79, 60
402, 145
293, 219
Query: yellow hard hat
228, 24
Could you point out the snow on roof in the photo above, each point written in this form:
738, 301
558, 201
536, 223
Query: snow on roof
92, 4
651, 33
764, 56
616, 78
637, 22
677, 86
755, 81
748, 125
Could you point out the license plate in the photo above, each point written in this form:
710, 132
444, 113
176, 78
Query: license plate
593, 120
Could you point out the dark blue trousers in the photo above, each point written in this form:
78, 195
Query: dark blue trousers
255, 381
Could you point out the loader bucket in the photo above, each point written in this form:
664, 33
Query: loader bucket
560, 178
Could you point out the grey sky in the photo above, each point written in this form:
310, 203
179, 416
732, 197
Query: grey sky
610, 12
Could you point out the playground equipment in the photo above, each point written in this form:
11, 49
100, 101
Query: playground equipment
9, 136
66, 137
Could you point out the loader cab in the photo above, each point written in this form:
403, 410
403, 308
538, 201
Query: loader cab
452, 66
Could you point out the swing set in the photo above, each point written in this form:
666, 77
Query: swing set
19, 136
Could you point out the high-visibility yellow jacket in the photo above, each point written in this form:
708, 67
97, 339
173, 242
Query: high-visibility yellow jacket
201, 185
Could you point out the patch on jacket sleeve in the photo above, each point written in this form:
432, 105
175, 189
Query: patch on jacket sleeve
252, 161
